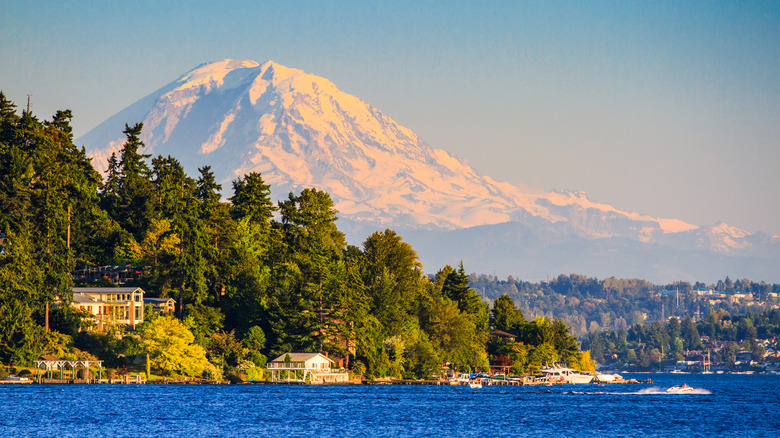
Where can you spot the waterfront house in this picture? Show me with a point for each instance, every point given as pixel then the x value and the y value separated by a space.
pixel 110 305
pixel 306 367
pixel 744 356
pixel 162 306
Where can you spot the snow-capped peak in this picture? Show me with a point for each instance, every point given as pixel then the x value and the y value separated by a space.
pixel 213 72
pixel 300 130
pixel 726 229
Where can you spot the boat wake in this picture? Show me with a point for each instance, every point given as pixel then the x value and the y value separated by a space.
pixel 653 390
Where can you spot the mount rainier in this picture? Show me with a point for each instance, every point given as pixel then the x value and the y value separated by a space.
pixel 299 130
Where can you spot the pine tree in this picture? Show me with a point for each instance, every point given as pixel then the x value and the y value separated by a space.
pixel 252 198
pixel 175 199
pixel 134 189
pixel 313 244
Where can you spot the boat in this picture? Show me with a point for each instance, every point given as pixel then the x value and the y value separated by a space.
pixel 475 385
pixel 560 374
pixel 15 379
pixel 680 389
pixel 462 379
pixel 606 378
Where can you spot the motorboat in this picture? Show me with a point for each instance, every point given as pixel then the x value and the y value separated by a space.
pixel 557 373
pixel 462 379
pixel 679 389
pixel 13 378
pixel 475 385
pixel 606 378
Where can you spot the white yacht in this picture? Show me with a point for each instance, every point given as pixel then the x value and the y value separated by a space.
pixel 557 373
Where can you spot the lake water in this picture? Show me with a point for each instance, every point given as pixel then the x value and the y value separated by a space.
pixel 721 405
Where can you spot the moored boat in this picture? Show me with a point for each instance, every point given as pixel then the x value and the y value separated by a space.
pixel 557 373
pixel 15 379
pixel 607 378
pixel 462 379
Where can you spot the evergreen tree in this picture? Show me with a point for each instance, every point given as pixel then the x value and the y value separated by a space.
pixel 313 244
pixel 134 188
pixel 456 287
pixel 690 334
pixel 219 234
pixel 44 182
pixel 252 198
pixel 175 198
pixel 504 315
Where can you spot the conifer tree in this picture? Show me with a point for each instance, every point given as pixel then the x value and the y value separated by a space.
pixel 219 234
pixel 252 198
pixel 313 244
pixel 175 199
pixel 134 187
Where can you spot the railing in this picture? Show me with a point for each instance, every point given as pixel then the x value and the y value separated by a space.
pixel 301 366
pixel 296 366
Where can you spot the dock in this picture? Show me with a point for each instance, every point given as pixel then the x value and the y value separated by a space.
pixel 525 382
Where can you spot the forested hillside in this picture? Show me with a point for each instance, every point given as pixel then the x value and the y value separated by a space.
pixel 719 336
pixel 252 279
pixel 589 304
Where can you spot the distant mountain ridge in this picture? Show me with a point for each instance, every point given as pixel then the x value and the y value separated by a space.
pixel 300 130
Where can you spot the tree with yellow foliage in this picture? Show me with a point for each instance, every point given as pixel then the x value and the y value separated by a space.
pixel 170 347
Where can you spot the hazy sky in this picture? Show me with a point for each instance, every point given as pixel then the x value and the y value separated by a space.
pixel 667 108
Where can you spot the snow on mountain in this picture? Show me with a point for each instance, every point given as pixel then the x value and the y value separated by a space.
pixel 299 130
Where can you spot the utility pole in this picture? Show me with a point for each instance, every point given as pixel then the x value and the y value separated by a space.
pixel 28 103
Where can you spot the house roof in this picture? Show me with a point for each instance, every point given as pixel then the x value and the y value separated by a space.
pixel 503 334
pixel 157 300
pixel 302 357
pixel 107 290
pixel 80 298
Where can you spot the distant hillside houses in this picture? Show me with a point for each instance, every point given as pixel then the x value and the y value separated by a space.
pixel 112 274
pixel 715 297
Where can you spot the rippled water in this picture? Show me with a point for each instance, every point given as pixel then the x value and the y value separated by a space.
pixel 722 405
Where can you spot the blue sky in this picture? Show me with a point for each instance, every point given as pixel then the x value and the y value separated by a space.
pixel 667 108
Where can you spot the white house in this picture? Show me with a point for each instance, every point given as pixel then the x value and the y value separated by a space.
pixel 316 367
